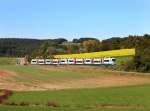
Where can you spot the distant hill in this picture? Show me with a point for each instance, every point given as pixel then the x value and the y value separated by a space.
pixel 14 47
pixel 21 47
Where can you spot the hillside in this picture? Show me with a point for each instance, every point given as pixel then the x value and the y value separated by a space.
pixel 71 88
pixel 14 47
pixel 32 77
pixel 102 54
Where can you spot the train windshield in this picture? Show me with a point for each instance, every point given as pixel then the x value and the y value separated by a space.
pixel 113 60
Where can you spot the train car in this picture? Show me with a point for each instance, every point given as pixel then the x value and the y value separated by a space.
pixel 34 61
pixel 88 61
pixel 48 61
pixel 109 61
pixel 98 61
pixel 55 61
pixel 79 61
pixel 113 61
pixel 71 61
pixel 74 61
pixel 41 61
pixel 63 61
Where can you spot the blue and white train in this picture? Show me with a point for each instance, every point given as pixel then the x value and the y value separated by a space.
pixel 74 61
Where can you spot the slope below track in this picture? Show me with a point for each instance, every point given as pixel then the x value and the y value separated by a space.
pixel 30 78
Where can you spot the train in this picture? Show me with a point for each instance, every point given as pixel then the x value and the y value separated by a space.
pixel 74 61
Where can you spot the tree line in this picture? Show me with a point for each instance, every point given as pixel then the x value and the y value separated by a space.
pixel 13 47
pixel 141 61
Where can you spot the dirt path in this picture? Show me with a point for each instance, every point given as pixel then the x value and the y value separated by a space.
pixel 4 74
pixel 104 81
pixel 7 81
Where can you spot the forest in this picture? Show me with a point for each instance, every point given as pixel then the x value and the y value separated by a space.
pixel 14 47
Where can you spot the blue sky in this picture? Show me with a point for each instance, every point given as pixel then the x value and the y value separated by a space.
pixel 70 19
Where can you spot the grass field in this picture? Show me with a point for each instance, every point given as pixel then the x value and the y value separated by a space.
pixel 73 88
pixel 63 77
pixel 102 54
pixel 7 61
pixel 129 98
pixel 120 60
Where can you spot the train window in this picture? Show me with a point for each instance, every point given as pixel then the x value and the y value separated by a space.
pixel 113 60
pixel 79 61
pixel 106 60
pixel 88 61
pixel 96 61
pixel 71 61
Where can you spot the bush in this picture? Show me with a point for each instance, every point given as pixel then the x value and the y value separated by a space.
pixel 24 104
pixel 11 103
pixel 52 104
pixel 129 66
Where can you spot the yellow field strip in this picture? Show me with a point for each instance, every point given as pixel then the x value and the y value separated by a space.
pixel 102 54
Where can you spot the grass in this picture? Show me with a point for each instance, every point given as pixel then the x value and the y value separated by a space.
pixel 135 98
pixel 120 60
pixel 7 61
pixel 125 98
pixel 28 108
pixel 102 54
pixel 42 73
pixel 115 95
pixel 31 73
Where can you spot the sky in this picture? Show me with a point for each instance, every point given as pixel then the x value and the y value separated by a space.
pixel 49 19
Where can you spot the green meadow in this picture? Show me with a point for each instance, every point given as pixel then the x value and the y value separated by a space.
pixel 112 98
pixel 131 98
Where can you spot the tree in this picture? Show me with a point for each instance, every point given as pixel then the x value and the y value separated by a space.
pixel 91 45
pixel 44 47
pixel 142 57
